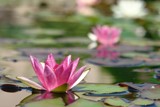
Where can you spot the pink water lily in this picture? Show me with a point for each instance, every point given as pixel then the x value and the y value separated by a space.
pixel 105 35
pixel 55 77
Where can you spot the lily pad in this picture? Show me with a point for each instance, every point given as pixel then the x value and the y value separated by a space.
pixel 151 93
pixel 101 89
pixel 46 103
pixel 135 54
pixel 30 98
pixel 137 87
pixel 116 102
pixel 85 103
pixel 115 63
pixel 123 62
pixel 93 98
pixel 142 102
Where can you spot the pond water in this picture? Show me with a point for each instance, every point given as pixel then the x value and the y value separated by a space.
pixel 120 73
pixel 126 65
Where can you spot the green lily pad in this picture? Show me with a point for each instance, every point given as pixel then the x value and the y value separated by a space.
pixel 101 89
pixel 85 103
pixel 124 62
pixel 151 93
pixel 46 103
pixel 93 98
pixel 116 102
pixel 142 102
pixel 28 99
pixel 117 63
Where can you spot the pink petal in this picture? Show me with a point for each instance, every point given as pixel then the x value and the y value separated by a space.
pixel 66 61
pixel 38 70
pixel 50 78
pixel 30 83
pixel 50 61
pixel 78 77
pixel 65 74
pixel 58 71
pixel 74 66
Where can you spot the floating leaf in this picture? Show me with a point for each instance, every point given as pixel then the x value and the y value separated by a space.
pixel 124 62
pixel 93 98
pixel 135 54
pixel 142 102
pixel 46 103
pixel 115 63
pixel 116 102
pixel 137 87
pixel 85 103
pixel 151 93
pixel 28 99
pixel 101 89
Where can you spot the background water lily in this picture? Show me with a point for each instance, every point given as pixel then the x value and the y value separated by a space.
pixel 55 77
pixel 105 35
pixel 84 7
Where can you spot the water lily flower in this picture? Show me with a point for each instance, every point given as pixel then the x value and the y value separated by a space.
pixel 129 9
pixel 86 2
pixel 105 35
pixel 84 7
pixel 55 77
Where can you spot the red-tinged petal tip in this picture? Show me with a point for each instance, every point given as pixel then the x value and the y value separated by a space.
pixel 50 61
pixel 66 62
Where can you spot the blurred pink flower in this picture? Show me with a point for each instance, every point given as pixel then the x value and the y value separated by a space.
pixel 105 35
pixel 86 2
pixel 55 77
pixel 84 7
pixel 86 10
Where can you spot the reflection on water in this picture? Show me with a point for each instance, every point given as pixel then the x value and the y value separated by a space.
pixel 20 97
pixel 67 98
